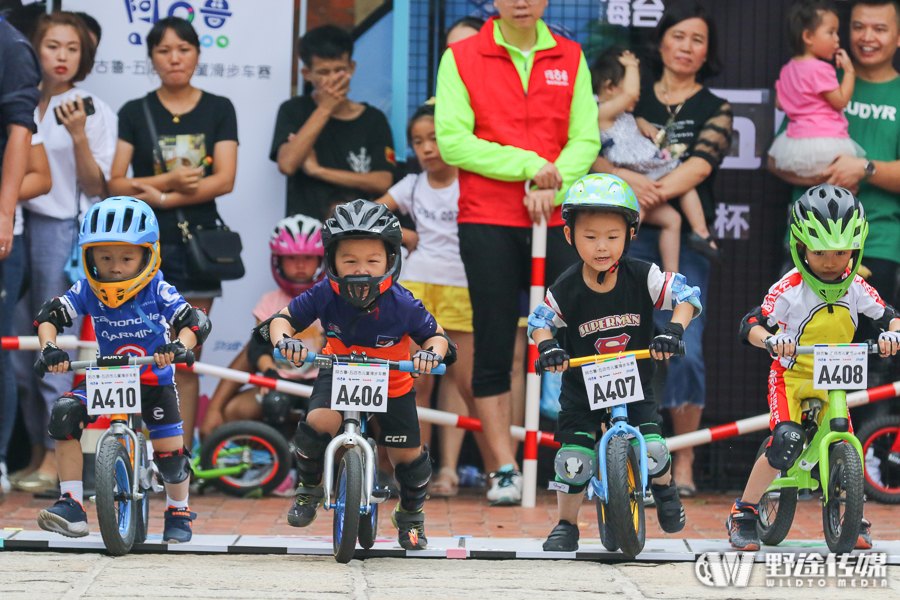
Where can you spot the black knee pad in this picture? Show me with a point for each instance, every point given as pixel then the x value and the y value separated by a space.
pixel 413 477
pixel 310 447
pixel 67 417
pixel 786 445
pixel 276 408
pixel 174 467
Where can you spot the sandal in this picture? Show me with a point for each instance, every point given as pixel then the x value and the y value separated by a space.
pixel 446 485
pixel 704 245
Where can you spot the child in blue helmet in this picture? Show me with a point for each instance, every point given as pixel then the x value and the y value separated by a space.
pixel 607 304
pixel 132 307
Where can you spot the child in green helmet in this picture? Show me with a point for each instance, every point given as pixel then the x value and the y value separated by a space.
pixel 607 303
pixel 818 302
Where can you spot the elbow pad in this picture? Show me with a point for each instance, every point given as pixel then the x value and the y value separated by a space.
pixel 451 355
pixel 542 318
pixel 195 320
pixel 682 292
pixel 751 320
pixel 53 311
pixel 884 322
pixel 262 330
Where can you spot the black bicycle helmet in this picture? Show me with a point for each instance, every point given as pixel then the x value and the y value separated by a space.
pixel 362 219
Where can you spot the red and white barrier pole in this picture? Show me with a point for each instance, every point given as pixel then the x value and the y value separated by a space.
pixel 31 342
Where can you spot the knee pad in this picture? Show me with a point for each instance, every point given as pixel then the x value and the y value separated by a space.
pixel 310 446
pixel 786 445
pixel 658 458
pixel 174 467
pixel 413 477
pixel 66 418
pixel 276 407
pixel 575 462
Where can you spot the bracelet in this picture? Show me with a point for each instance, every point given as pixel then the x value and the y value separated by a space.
pixel 162 199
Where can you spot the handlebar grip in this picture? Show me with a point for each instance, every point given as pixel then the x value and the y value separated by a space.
pixel 407 367
pixel 682 349
pixel 40 368
pixel 187 358
pixel 310 356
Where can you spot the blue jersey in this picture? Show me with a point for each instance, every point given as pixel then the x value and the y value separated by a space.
pixel 137 327
pixel 383 332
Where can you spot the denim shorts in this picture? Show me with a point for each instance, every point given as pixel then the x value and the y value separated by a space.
pixel 174 269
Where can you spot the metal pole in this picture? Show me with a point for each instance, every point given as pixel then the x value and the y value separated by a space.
pixel 533 380
pixel 400 76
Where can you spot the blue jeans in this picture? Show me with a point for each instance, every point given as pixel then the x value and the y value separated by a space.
pixel 12 269
pixel 686 379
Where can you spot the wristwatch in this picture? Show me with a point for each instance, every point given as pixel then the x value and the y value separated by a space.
pixel 869 170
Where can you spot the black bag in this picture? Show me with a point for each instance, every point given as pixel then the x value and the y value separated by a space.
pixel 214 253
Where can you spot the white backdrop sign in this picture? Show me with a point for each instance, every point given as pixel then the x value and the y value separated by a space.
pixel 245 56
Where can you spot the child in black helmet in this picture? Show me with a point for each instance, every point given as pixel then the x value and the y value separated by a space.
pixel 363 309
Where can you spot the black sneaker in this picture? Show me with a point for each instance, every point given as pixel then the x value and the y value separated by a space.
pixel 66 517
pixel 306 506
pixel 741 525
pixel 669 509
pixel 177 528
pixel 563 538
pixel 410 528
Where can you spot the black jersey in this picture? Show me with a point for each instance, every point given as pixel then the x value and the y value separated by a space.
pixel 615 321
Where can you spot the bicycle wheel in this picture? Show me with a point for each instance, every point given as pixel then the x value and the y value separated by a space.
pixel 116 514
pixel 776 510
pixel 142 507
pixel 260 447
pixel 626 498
pixel 368 524
pixel 842 514
pixel 607 535
pixel 347 502
pixel 882 481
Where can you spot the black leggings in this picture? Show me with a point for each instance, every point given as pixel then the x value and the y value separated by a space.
pixel 498 267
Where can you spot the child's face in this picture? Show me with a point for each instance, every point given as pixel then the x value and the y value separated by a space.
pixel 118 263
pixel 824 41
pixel 361 257
pixel 324 70
pixel 599 238
pixel 828 265
pixel 425 145
pixel 300 268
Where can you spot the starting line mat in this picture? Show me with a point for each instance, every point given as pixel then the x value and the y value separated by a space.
pixel 655 550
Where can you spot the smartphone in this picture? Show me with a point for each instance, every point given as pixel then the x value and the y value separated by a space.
pixel 88 109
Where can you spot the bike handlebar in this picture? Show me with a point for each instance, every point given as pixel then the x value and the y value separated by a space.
pixel 873 348
pixel 638 355
pixel 115 360
pixel 326 361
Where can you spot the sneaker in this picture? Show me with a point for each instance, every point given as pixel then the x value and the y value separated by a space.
pixel 741 525
pixel 5 485
pixel 506 488
pixel 306 506
pixel 669 509
pixel 66 517
pixel 286 489
pixel 563 538
pixel 864 541
pixel 37 483
pixel 177 529
pixel 410 528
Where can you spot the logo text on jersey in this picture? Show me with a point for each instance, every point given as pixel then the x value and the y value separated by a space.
pixel 605 323
pixel 557 77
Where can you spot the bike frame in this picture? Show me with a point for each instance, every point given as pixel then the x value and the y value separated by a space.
pixel 120 427
pixel 620 426
pixel 353 436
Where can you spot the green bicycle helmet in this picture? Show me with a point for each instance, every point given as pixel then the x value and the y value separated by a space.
pixel 828 217
pixel 605 193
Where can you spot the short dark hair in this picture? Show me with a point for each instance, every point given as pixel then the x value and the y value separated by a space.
pixel 182 28
pixel 69 19
pixel 426 110
pixel 805 15
pixel 475 23
pixel 895 3
pixel 675 14
pixel 607 68
pixel 92 24
pixel 328 42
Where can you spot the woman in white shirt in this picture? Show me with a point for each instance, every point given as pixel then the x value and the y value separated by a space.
pixel 80 149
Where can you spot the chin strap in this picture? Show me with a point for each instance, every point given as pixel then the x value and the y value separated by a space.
pixel 602 275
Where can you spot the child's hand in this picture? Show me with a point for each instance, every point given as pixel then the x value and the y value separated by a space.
pixel 842 61
pixel 57 360
pixel 667 343
pixel 629 60
pixel 292 349
pixel 647 130
pixel 781 345
pixel 425 361
pixel 165 353
pixel 551 357
pixel 889 343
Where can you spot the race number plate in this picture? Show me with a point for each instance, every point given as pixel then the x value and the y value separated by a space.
pixel 613 382
pixel 362 387
pixel 840 367
pixel 113 390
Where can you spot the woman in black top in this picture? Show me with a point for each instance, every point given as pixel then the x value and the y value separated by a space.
pixel 690 114
pixel 192 125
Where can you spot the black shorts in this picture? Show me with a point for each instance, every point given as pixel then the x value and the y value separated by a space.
pixel 159 409
pixel 575 414
pixel 399 425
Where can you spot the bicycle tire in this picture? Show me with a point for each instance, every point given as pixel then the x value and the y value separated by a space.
pixel 626 498
pixel 845 488
pixel 607 535
pixel 266 443
pixel 347 503
pixel 882 482
pixel 142 524
pixel 782 504
pixel 368 524
pixel 117 519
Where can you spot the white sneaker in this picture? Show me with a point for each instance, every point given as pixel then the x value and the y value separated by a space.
pixel 506 488
pixel 5 485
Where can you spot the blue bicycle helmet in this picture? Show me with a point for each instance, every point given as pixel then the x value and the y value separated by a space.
pixel 117 221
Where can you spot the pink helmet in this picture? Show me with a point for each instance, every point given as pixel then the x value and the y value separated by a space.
pixel 295 235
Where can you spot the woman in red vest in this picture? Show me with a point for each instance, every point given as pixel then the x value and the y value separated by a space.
pixel 514 104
